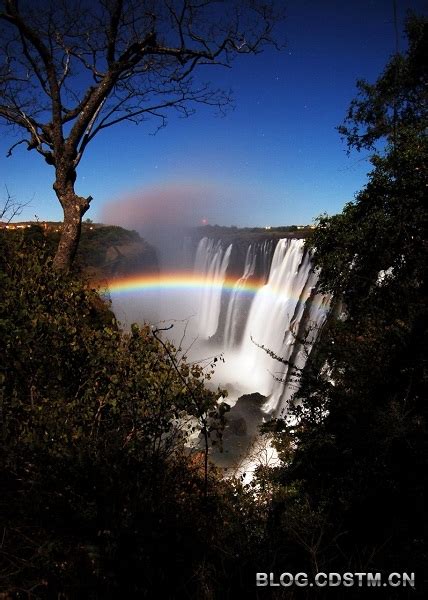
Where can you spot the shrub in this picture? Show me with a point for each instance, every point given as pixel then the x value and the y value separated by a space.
pixel 99 485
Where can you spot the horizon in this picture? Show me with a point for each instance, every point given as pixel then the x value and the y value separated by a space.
pixel 270 228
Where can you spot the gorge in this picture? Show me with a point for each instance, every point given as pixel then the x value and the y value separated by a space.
pixel 245 299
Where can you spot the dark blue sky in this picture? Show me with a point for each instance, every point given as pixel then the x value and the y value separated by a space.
pixel 275 159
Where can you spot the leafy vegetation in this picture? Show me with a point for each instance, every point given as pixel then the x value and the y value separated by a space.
pixel 104 251
pixel 98 481
pixel 102 494
pixel 355 454
pixel 109 250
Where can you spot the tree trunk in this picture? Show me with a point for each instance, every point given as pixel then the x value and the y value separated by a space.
pixel 74 208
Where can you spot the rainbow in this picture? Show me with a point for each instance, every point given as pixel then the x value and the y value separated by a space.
pixel 188 281
pixel 177 281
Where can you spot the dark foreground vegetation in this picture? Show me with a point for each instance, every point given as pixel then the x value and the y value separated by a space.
pixel 101 496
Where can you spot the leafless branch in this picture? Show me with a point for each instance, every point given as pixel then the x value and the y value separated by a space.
pixel 154 50
pixel 69 70
pixel 11 149
pixel 11 208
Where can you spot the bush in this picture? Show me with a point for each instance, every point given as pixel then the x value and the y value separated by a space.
pixel 100 489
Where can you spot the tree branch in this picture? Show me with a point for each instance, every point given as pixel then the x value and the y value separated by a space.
pixel 11 149
pixel 113 31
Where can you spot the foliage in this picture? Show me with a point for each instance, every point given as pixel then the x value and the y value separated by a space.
pixel 95 242
pixel 99 485
pixel 104 251
pixel 395 104
pixel 354 446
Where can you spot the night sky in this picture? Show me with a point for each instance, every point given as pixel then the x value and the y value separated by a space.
pixel 275 159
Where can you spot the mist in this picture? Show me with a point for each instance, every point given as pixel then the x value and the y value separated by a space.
pixel 162 214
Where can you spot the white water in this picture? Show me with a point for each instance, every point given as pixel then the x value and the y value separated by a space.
pixel 286 307
pixel 239 300
pixel 236 323
pixel 211 261
pixel 284 316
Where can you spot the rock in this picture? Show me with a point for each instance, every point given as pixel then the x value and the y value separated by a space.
pixel 237 426
pixel 242 423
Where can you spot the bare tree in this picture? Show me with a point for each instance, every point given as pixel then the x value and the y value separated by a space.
pixel 11 208
pixel 71 68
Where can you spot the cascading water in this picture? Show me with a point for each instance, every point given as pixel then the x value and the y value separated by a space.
pixel 234 310
pixel 241 298
pixel 257 257
pixel 267 301
pixel 212 261
pixel 282 312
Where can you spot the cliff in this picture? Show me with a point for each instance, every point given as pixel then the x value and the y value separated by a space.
pixel 105 251
pixel 108 251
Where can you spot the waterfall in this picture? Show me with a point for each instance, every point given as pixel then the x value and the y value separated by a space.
pixel 283 311
pixel 211 261
pixel 234 309
pixel 256 266
pixel 249 294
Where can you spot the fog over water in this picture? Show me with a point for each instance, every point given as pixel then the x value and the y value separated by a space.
pixel 224 298
pixel 271 302
pixel 161 214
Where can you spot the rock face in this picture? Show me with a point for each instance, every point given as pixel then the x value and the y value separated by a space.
pixel 106 252
pixel 242 423
pixel 126 259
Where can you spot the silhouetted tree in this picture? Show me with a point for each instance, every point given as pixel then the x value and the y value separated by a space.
pixel 356 479
pixel 69 70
